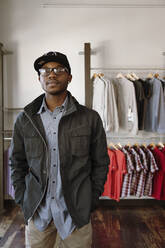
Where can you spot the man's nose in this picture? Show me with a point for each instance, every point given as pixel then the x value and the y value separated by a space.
pixel 52 74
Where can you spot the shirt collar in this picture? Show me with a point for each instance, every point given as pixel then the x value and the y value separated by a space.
pixel 45 108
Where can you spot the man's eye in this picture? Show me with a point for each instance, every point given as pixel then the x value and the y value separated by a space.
pixel 48 70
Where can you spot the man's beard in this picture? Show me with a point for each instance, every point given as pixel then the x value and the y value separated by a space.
pixel 58 92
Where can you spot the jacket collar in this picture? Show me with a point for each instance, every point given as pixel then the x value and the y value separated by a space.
pixel 32 108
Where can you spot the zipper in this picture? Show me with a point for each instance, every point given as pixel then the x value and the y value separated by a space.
pixel 47 161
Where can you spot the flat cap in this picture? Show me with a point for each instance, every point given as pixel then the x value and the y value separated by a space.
pixel 52 57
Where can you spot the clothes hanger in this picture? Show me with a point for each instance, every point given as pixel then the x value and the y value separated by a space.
pixel 150 76
pixel 95 75
pixel 128 145
pixel 136 145
pixel 134 76
pixel 144 145
pixel 156 75
pixel 120 75
pixel 152 145
pixel 160 144
pixel 119 146
pixel 112 145
pixel 128 76
pixel 100 75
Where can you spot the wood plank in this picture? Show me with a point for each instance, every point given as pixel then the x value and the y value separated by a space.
pixel 13 234
pixel 113 227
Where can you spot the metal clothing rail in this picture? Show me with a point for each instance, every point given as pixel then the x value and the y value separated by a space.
pixel 7 139
pixel 102 5
pixel 129 68
pixel 13 109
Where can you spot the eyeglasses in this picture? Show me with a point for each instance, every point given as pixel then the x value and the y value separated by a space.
pixel 57 71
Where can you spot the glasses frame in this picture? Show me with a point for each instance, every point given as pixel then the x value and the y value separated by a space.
pixel 57 71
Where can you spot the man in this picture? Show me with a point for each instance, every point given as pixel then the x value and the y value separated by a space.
pixel 59 161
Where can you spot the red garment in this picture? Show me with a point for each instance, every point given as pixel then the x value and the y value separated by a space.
pixel 122 169
pixel 163 186
pixel 159 178
pixel 110 183
pixel 117 168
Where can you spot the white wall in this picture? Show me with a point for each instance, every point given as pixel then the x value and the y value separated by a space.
pixel 121 37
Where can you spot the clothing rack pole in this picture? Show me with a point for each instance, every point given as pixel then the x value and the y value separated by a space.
pixel 129 68
pixel 88 85
pixel 1 132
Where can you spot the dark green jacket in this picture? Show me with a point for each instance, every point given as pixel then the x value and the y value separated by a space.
pixel 83 159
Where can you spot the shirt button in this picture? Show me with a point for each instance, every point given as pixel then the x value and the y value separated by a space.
pixel 53 181
pixel 54 132
pixel 54 117
pixel 52 197
pixel 54 165
pixel 54 149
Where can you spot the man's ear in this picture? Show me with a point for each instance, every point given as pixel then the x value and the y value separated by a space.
pixel 69 78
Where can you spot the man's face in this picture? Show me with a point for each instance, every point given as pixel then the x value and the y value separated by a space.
pixel 54 84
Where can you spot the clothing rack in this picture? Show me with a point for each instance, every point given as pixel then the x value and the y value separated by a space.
pixel 87 65
pixel 89 92
pixel 89 87
pixel 1 129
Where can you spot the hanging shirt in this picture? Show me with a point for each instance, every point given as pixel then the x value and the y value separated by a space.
pixel 117 169
pixel 110 111
pixel 126 187
pixel 140 99
pixel 98 102
pixel 159 178
pixel 163 186
pixel 147 89
pixel 155 114
pixel 104 102
pixel 152 168
pixel 121 171
pixel 137 168
pixel 126 105
pixel 109 186
pixel 142 175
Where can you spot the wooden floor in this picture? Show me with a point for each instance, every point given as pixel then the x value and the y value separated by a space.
pixel 113 227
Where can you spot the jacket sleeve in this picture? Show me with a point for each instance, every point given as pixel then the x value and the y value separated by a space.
pixel 18 162
pixel 100 161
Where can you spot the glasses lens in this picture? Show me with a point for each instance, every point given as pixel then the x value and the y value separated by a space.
pixel 47 71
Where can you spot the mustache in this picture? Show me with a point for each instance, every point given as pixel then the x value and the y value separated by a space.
pixel 53 81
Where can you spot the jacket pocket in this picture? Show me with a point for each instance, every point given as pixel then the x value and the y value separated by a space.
pixel 33 147
pixel 80 141
pixel 32 192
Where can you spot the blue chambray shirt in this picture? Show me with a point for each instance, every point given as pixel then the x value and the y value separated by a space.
pixel 53 205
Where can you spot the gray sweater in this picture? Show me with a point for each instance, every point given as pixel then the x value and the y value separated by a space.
pixel 155 114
